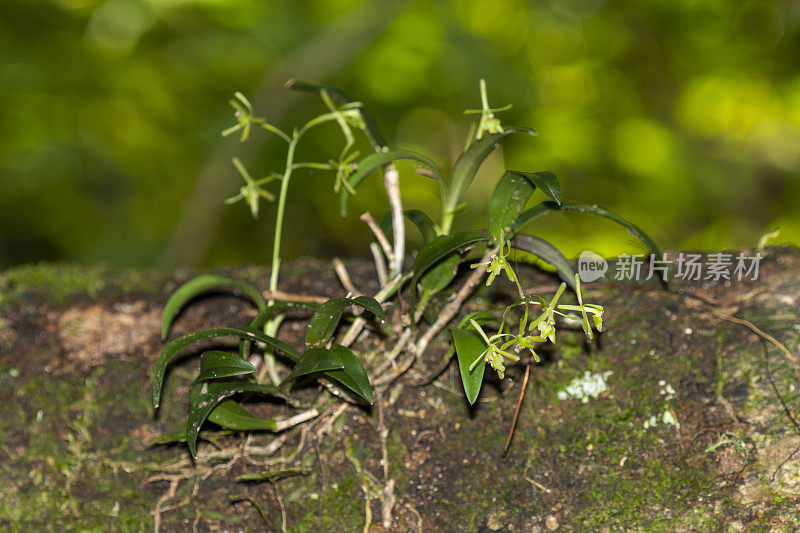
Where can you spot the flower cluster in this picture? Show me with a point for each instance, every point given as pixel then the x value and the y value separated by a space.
pixel 497 262
pixel 487 123
pixel 540 330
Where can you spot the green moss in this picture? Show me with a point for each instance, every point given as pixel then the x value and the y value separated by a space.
pixel 61 283
pixel 341 508
pixel 66 459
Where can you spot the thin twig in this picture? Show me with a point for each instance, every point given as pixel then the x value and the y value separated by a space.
pixel 391 181
pixel 419 518
pixel 168 495
pixel 379 235
pixel 755 329
pixel 519 404
pixel 327 427
pixel 305 416
pixel 358 324
pixel 450 310
pixel 537 485
pixel 388 498
pixel 763 335
pixel 445 316
pixel 398 348
pixel 244 497
pixel 292 297
pixel 344 277
pixel 380 264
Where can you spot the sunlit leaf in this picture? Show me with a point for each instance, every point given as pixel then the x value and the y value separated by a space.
pixel 217 364
pixel 438 249
pixel 316 360
pixel 546 207
pixel 372 162
pixel 201 285
pixel 187 340
pixel 469 346
pixel 203 397
pixel 352 375
pixel 512 192
pixel 466 167
pixel 323 322
pixel 547 253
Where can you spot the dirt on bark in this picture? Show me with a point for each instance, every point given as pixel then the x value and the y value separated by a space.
pixel 694 425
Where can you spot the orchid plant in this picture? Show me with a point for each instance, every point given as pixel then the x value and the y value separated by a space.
pixel 327 356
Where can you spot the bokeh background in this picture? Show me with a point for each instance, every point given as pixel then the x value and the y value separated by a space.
pixel 682 115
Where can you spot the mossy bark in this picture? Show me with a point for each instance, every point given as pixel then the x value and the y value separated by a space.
pixel 696 431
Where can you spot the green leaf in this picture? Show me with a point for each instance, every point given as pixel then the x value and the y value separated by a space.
pixel 231 415
pixel 466 167
pixel 265 314
pixel 200 285
pixel 512 192
pixel 439 276
pixel 546 252
pixel 372 132
pixel 375 161
pixel 272 477
pixel 216 364
pixel 438 249
pixel 203 397
pixel 352 375
pixel 323 322
pixel 469 346
pixel 316 360
pixel 187 340
pixel 546 207
pixel 424 223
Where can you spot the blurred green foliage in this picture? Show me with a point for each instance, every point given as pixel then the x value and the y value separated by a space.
pixel 682 115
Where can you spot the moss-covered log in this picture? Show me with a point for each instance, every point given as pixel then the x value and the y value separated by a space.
pixel 696 428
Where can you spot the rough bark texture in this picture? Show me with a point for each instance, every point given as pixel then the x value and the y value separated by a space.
pixel 77 346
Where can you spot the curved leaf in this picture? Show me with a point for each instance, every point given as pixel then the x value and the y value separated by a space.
pixel 469 346
pixel 424 223
pixel 231 415
pixel 467 165
pixel 372 132
pixel 352 375
pixel 437 250
pixel 265 314
pixel 377 160
pixel 216 364
pixel 187 340
pixel 512 192
pixel 323 322
pixel 200 285
pixel 546 252
pixel 439 276
pixel 316 360
pixel 203 397
pixel 546 207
